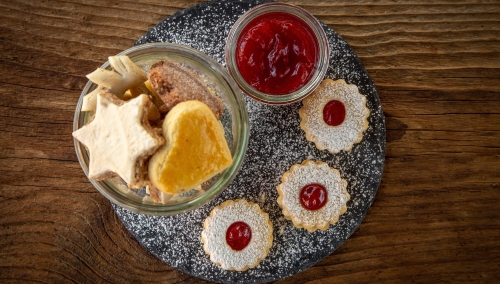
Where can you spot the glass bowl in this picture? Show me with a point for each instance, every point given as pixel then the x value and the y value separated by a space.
pixel 234 121
pixel 322 52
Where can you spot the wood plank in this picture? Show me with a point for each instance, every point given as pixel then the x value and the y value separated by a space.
pixel 436 65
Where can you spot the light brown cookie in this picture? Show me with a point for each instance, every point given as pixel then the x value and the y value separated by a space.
pixel 175 84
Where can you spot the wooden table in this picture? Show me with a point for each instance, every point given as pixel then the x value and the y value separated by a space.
pixel 436 217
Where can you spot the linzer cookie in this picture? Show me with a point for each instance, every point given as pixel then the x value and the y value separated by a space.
pixel 175 84
pixel 237 235
pixel 120 139
pixel 313 195
pixel 334 116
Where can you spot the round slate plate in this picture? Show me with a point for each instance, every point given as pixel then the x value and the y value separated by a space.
pixel 276 143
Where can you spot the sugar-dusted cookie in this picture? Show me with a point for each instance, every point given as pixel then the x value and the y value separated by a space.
pixel 312 195
pixel 237 235
pixel 120 139
pixel 334 116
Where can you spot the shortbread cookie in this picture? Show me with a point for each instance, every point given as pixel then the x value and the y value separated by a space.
pixel 334 116
pixel 124 74
pixel 120 139
pixel 175 84
pixel 195 151
pixel 237 235
pixel 312 195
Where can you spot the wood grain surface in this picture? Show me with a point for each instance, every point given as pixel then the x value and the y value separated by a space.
pixel 436 217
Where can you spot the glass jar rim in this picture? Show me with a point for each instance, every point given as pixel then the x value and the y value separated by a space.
pixel 323 52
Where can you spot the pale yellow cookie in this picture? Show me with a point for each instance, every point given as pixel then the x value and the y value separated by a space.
pixel 228 249
pixel 307 174
pixel 339 137
pixel 124 74
pixel 120 139
pixel 195 151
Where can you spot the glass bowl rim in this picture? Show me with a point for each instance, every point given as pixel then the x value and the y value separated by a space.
pixel 241 116
pixel 323 52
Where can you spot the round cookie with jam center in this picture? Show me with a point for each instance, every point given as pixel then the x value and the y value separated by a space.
pixel 313 195
pixel 237 235
pixel 334 116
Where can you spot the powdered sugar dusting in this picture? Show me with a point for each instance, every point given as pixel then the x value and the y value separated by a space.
pixel 276 143
pixel 214 234
pixel 343 136
pixel 309 173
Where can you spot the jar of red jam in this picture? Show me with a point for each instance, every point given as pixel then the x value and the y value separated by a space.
pixel 277 53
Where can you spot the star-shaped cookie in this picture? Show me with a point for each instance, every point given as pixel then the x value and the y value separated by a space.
pixel 120 139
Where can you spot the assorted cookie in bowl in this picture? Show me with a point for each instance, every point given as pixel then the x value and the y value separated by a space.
pixel 160 129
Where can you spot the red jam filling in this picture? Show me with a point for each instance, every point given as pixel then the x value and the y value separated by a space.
pixel 238 235
pixel 313 196
pixel 334 113
pixel 276 53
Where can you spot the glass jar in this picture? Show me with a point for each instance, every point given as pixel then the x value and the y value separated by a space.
pixel 322 52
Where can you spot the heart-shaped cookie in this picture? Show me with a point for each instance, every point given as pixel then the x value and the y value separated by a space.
pixel 195 150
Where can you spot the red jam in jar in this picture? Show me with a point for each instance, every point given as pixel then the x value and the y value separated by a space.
pixel 334 113
pixel 313 196
pixel 238 235
pixel 277 53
